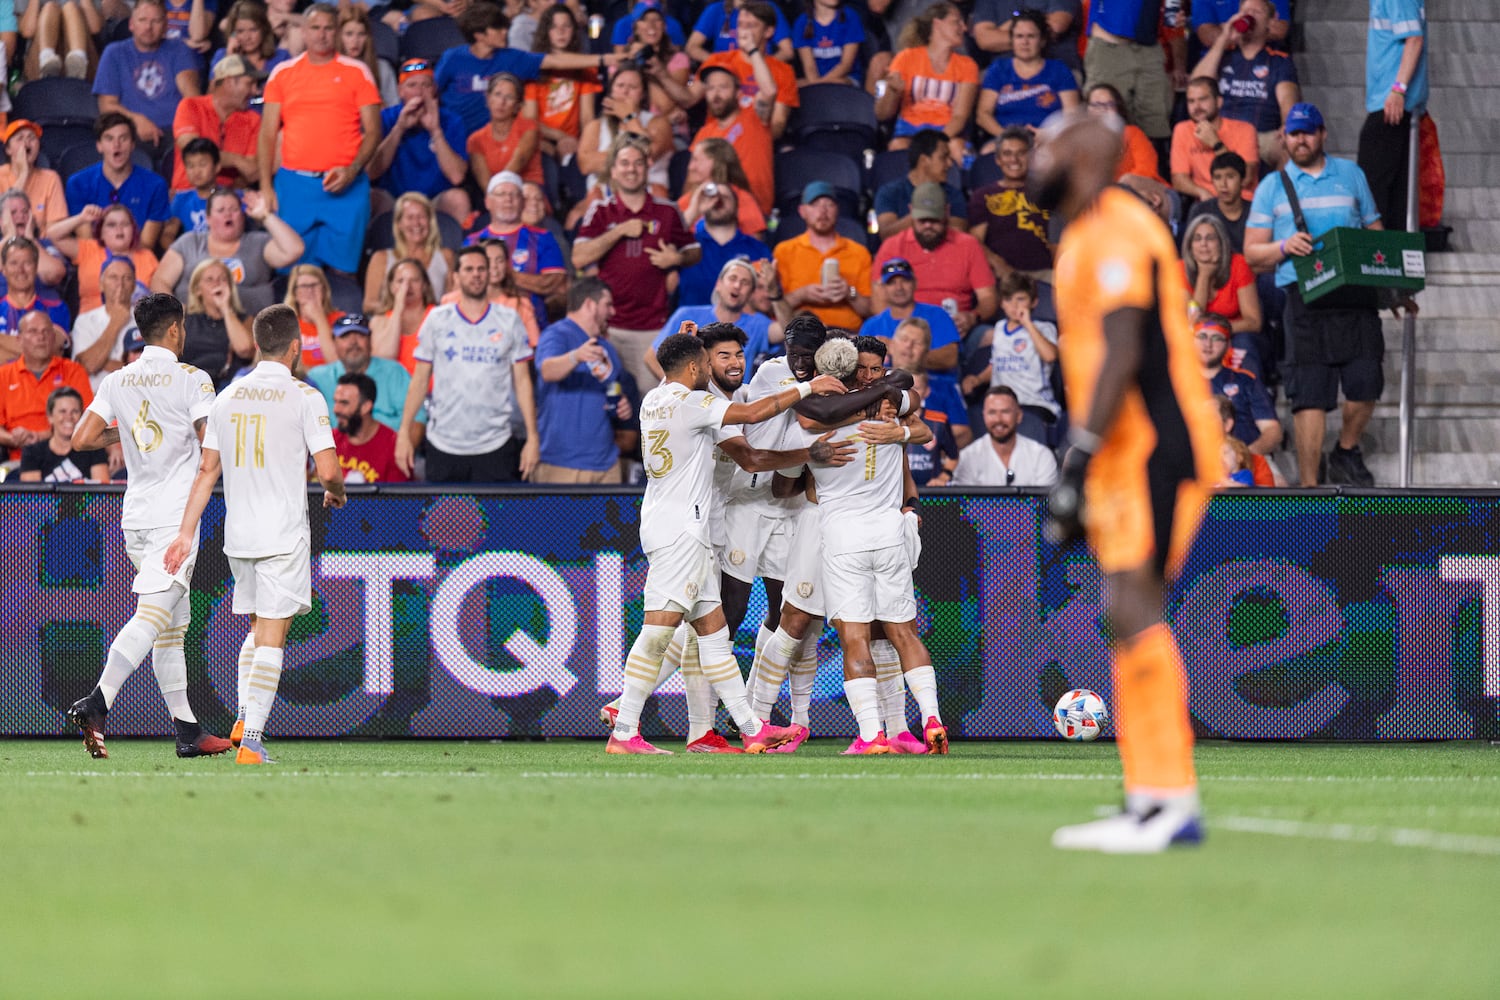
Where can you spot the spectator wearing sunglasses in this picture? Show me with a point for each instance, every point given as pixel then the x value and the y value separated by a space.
pixel 422 145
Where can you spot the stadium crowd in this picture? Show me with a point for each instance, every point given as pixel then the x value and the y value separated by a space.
pixel 488 216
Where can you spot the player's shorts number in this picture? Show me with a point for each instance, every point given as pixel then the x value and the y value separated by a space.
pixel 249 428
pixel 146 432
pixel 656 448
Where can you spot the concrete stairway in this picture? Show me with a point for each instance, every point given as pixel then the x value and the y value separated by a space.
pixel 1456 430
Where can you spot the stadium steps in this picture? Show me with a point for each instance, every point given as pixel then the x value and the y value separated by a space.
pixel 1456 419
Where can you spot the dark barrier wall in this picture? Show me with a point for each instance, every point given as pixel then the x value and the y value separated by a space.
pixel 439 615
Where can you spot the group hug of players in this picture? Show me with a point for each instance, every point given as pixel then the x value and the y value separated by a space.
pixel 798 477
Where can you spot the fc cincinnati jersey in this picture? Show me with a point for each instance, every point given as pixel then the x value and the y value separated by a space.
pixel 679 429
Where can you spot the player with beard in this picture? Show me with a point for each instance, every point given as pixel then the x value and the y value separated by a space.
pixel 680 425
pixel 742 477
pixel 1144 456
pixel 787 646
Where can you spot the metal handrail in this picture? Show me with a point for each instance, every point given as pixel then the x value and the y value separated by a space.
pixel 1409 320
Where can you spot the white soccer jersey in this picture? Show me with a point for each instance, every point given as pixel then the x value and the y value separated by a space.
pixel 156 400
pixel 679 429
pixel 473 387
pixel 263 427
pixel 780 433
pixel 861 501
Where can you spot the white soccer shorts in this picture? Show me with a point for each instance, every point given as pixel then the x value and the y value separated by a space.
pixel 804 564
pixel 147 549
pixel 278 586
pixel 755 545
pixel 682 576
pixel 870 586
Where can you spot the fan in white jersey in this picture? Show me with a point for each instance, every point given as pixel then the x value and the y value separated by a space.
pixel 869 549
pixel 737 466
pixel 259 435
pixel 165 405
pixel 680 424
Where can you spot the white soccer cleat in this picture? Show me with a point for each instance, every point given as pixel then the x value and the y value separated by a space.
pixel 1150 832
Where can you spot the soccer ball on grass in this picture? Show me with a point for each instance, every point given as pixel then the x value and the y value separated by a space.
pixel 1080 715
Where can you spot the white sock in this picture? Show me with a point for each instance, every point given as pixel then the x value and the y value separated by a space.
pixel 865 705
pixel 762 636
pixel 642 667
pixel 770 669
pixel 170 664
pixel 153 615
pixel 923 684
pixel 890 685
pixel 804 674
pixel 247 657
pixel 716 659
pixel 265 676
pixel 701 700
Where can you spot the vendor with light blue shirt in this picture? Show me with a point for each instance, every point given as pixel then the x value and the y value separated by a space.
pixel 1328 349
pixel 351 339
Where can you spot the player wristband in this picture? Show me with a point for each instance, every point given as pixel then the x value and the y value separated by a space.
pixel 905 434
pixel 910 501
pixel 1084 441
pixel 1283 248
pixel 804 389
pixel 1398 87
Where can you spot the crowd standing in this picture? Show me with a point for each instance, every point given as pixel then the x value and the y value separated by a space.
pixel 486 237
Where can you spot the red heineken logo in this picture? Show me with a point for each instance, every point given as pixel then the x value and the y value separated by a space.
pixel 1379 257
pixel 1317 267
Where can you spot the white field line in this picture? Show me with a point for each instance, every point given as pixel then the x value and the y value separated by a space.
pixel 290 771
pixel 1432 840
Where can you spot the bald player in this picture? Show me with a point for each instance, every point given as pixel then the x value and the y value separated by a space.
pixel 1143 457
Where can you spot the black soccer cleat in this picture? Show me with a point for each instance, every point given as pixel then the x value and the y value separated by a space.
pixel 87 714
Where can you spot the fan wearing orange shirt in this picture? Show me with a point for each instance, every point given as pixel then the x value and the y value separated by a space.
pixel 767 87
pixel 1144 456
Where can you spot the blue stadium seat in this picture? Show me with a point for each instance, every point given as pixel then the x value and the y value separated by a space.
pixel 984 171
pixel 81 157
pixel 835 118
pixel 677 172
pixel 849 228
pixel 380 236
pixel 796 168
pixel 348 296
pixel 889 165
pixel 387 44
pixel 58 139
pixel 430 38
pixel 56 101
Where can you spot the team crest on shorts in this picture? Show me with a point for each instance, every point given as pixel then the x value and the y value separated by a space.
pixel 692 591
pixel 737 557
pixel 804 589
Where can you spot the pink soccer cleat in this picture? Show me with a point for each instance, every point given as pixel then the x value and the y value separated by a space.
pixel 636 744
pixel 712 742
pixel 905 742
pixel 864 748
pixel 794 744
pixel 935 734
pixel 769 737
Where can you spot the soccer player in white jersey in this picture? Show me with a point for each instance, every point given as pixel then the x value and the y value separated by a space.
pixel 680 422
pixel 869 549
pixel 165 404
pixel 259 435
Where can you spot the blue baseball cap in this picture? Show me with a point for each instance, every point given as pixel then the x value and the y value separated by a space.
pixel 1303 117
pixel 818 189
pixel 351 323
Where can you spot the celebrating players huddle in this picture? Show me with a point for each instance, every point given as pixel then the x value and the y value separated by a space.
pixel 801 478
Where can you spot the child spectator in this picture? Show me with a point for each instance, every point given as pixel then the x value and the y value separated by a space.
pixel 200 168
pixel 1022 353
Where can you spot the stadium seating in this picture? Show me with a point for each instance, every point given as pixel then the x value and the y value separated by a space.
pixel 380 236
pixel 430 38
pixel 796 168
pixel 56 101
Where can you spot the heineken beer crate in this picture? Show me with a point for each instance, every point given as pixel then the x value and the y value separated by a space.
pixel 1345 260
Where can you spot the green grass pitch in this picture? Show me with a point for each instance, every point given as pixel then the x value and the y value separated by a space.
pixel 398 869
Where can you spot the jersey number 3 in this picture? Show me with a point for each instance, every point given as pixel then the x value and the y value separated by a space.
pixel 656 448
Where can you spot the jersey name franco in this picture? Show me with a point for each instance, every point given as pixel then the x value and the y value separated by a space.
pixel 861 501
pixel 679 429
pixel 156 400
pixel 264 427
